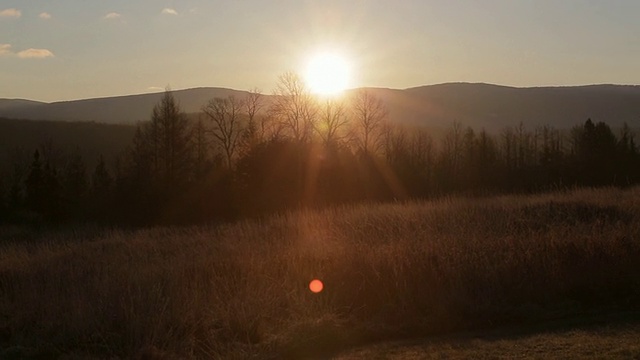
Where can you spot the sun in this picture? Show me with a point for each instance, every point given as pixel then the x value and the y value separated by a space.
pixel 327 73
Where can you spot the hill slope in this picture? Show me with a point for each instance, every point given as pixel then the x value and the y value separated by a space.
pixel 114 110
pixel 12 104
pixel 491 106
pixel 478 105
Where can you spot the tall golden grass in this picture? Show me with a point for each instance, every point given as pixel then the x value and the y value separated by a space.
pixel 389 270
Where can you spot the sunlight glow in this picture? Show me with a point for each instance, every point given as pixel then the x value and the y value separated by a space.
pixel 327 73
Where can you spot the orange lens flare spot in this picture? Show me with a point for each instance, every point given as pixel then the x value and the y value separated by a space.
pixel 316 286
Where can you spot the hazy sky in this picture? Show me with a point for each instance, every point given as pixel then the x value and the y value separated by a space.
pixel 69 49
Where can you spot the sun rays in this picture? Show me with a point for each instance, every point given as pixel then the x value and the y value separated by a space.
pixel 328 73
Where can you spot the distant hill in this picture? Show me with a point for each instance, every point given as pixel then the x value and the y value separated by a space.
pixel 111 110
pixel 494 107
pixel 478 105
pixel 9 104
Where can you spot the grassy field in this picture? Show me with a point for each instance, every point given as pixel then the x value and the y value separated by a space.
pixel 390 271
pixel 601 337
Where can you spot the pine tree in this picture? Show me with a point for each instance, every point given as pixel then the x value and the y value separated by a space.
pixel 101 180
pixel 35 185
pixel 74 185
pixel 160 165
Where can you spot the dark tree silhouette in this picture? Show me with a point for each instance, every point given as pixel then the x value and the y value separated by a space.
pixel 369 114
pixel 159 165
pixel 201 149
pixel 294 107
pixel 254 131
pixel 35 185
pixel 224 115
pixel 332 121
pixel 74 186
pixel 43 190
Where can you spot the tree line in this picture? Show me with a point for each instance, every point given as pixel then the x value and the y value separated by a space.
pixel 247 157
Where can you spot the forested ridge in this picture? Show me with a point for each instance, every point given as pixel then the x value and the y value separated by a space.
pixel 242 157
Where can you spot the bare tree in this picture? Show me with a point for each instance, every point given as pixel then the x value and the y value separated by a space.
pixel 508 147
pixel 19 159
pixel 525 148
pixel 332 118
pixel 369 113
pixel 200 147
pixel 394 142
pixel 421 149
pixel 253 103
pixel 294 107
pixel 253 132
pixel 225 117
pixel 452 153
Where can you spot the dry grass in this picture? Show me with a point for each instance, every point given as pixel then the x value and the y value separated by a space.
pixel 390 271
pixel 604 342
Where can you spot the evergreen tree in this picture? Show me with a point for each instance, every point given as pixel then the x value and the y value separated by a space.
pixel 35 185
pixel 101 180
pixel 52 193
pixel 169 133
pixel 160 165
pixel 101 191
pixel 596 154
pixel 74 185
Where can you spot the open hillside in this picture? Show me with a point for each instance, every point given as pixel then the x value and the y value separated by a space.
pixel 477 105
pixel 389 271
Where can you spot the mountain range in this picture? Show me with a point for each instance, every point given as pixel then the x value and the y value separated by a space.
pixel 477 105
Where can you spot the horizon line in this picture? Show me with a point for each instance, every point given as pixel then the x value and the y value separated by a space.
pixel 350 89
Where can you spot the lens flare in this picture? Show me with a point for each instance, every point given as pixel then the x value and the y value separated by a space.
pixel 316 286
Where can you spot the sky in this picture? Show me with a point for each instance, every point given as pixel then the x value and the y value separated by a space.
pixel 53 50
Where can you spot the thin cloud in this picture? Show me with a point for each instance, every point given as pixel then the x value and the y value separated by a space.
pixel 35 54
pixel 5 50
pixel 112 16
pixel 169 11
pixel 45 16
pixel 11 13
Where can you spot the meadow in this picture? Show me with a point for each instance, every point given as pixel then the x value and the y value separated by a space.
pixel 390 271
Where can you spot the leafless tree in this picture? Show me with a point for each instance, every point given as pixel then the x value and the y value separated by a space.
pixel 452 153
pixel 517 146
pixel 253 103
pixel 226 127
pixel 394 141
pixel 257 125
pixel 369 113
pixel 294 107
pixel 412 143
pixel 331 120
pixel 200 146
pixel 421 148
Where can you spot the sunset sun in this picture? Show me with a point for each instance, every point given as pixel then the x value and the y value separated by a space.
pixel 327 73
